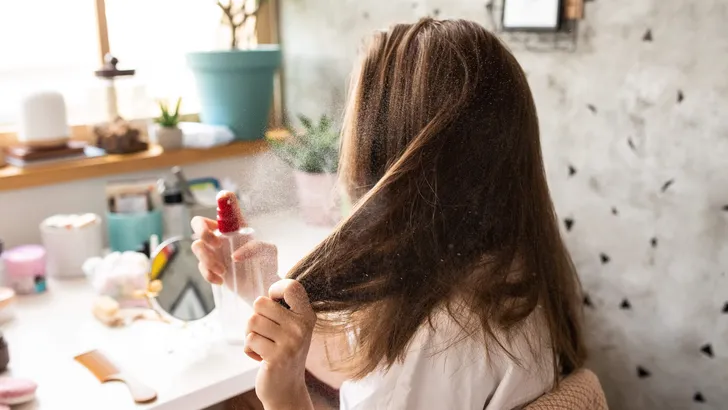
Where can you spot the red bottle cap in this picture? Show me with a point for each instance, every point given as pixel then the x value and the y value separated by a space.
pixel 229 217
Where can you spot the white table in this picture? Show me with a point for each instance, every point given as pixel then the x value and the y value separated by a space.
pixel 188 367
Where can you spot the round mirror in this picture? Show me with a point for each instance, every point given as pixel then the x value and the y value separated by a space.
pixel 184 293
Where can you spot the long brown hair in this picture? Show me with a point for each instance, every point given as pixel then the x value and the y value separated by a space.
pixel 441 153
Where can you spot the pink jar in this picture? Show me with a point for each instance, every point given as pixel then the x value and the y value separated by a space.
pixel 25 269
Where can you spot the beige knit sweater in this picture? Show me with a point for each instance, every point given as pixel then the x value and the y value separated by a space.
pixel 579 391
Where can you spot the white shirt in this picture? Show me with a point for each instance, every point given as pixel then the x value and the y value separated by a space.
pixel 462 376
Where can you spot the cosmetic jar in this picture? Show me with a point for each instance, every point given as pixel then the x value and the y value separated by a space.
pixel 70 240
pixel 25 269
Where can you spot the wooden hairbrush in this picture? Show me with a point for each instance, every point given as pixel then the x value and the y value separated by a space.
pixel 106 371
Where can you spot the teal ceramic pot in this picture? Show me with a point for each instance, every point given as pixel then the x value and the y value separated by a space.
pixel 236 88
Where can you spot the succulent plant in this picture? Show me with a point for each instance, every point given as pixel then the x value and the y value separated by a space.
pixel 314 150
pixel 168 119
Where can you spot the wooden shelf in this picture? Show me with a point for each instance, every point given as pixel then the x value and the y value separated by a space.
pixel 12 178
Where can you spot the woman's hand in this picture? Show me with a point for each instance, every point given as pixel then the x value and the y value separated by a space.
pixel 212 265
pixel 280 339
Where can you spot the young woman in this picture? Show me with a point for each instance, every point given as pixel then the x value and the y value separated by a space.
pixel 448 283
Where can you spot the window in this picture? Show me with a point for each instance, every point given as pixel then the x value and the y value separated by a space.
pixel 57 45
pixel 153 37
pixel 47 44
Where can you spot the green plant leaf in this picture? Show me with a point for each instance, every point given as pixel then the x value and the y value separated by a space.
pixel 316 150
pixel 166 118
pixel 176 108
pixel 324 123
pixel 306 122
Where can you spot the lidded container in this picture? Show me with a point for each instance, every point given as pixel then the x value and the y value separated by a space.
pixel 69 241
pixel 118 135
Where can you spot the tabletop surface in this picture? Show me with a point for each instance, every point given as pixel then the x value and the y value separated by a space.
pixel 188 365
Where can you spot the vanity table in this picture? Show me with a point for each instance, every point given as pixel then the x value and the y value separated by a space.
pixel 188 367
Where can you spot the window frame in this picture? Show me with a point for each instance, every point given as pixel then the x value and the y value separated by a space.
pixel 266 31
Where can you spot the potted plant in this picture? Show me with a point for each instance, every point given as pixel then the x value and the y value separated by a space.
pixel 235 86
pixel 166 133
pixel 314 156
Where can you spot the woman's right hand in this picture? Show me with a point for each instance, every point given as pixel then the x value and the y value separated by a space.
pixel 212 265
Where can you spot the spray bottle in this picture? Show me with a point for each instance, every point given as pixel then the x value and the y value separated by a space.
pixel 242 281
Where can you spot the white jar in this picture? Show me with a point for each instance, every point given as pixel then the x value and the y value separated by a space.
pixel 43 119
pixel 69 241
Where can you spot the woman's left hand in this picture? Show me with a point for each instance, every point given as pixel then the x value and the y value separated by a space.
pixel 279 338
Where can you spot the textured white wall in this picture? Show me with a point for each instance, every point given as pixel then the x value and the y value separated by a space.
pixel 643 125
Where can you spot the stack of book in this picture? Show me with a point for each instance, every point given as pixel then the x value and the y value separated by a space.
pixel 22 156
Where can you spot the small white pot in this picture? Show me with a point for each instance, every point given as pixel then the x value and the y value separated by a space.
pixel 317 198
pixel 169 138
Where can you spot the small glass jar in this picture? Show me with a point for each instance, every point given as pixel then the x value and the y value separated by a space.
pixel 117 135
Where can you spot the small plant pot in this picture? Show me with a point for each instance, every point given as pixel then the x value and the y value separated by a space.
pixel 317 198
pixel 169 138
